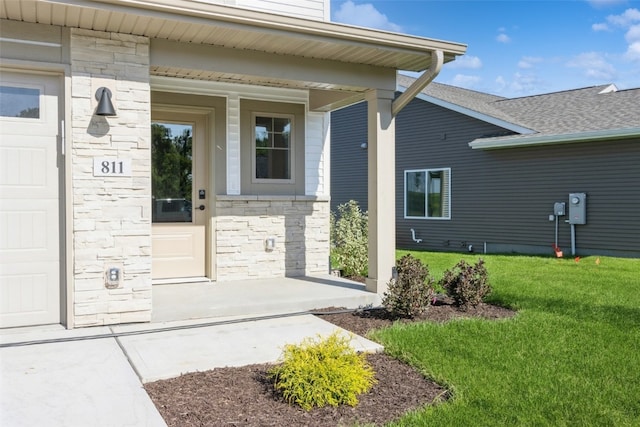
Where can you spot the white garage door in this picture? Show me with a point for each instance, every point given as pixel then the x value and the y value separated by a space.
pixel 30 164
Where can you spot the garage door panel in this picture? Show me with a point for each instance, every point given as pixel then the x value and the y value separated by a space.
pixel 26 297
pixel 28 171
pixel 30 179
pixel 18 173
pixel 24 232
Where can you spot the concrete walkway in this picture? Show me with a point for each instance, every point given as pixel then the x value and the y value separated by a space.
pixel 93 376
pixel 74 383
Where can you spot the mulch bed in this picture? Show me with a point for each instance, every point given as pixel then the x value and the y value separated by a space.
pixel 244 396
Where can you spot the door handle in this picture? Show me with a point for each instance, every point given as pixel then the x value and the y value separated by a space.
pixel 201 207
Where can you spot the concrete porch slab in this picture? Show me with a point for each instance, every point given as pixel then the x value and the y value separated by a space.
pixel 185 301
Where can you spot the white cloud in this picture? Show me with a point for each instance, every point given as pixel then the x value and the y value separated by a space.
pixel 465 61
pixel 466 81
pixel 594 66
pixel 633 52
pixel 629 21
pixel 627 18
pixel 633 35
pixel 364 15
pixel 528 62
pixel 503 38
pixel 605 3
pixel 520 85
pixel 600 27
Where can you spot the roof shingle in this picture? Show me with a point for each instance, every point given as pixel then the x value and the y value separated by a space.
pixel 596 108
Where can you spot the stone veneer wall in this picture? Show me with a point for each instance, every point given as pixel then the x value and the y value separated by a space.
pixel 299 224
pixel 111 215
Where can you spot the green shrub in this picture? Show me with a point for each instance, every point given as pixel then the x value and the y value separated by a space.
pixel 349 240
pixel 323 372
pixel 466 283
pixel 411 293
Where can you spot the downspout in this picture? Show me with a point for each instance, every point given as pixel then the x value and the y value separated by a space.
pixel 437 59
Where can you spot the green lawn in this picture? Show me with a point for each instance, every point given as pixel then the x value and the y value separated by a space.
pixel 571 357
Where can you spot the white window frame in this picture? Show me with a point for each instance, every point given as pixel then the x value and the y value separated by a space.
pixel 292 157
pixel 447 198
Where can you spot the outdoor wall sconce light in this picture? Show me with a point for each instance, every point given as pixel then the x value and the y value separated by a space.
pixel 105 107
pixel 364 145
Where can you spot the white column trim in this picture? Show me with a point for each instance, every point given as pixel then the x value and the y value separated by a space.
pixel 233 145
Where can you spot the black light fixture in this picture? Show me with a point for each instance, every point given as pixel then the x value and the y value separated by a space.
pixel 105 107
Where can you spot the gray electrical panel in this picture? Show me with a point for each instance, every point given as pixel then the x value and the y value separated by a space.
pixel 559 208
pixel 577 208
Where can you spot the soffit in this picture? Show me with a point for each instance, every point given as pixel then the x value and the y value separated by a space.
pixel 195 22
pixel 187 73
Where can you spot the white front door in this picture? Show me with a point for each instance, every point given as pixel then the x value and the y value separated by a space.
pixel 30 164
pixel 179 202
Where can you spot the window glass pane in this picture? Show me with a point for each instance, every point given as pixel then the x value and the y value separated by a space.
pixel 19 102
pixel 281 140
pixel 415 197
pixel 171 172
pixel 265 123
pixel 281 125
pixel 272 164
pixel 280 164
pixel 435 205
pixel 273 148
pixel 262 138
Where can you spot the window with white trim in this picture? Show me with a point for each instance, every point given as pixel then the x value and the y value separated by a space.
pixel 427 193
pixel 273 147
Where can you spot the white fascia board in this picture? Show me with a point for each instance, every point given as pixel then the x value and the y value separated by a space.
pixel 537 140
pixel 333 32
pixel 472 113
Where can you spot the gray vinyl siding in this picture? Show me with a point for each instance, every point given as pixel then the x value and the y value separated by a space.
pixel 348 159
pixel 503 198
pixel 311 9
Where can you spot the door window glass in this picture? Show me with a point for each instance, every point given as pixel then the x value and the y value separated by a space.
pixel 20 102
pixel 172 172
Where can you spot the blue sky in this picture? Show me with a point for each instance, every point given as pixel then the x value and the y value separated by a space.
pixel 518 47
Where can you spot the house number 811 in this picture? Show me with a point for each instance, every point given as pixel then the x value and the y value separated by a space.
pixel 111 167
pixel 115 168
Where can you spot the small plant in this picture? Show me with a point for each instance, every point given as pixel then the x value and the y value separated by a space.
pixel 322 372
pixel 411 293
pixel 349 240
pixel 466 283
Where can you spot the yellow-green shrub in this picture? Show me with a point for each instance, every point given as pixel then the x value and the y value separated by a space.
pixel 322 372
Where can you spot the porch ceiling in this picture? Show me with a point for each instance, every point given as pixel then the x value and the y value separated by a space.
pixel 233 27
pixel 187 73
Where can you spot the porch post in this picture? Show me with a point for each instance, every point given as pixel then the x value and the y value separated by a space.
pixel 381 189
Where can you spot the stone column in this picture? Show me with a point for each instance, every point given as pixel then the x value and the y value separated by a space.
pixel 111 214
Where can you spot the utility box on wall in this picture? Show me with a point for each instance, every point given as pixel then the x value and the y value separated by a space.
pixel 559 209
pixel 577 208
